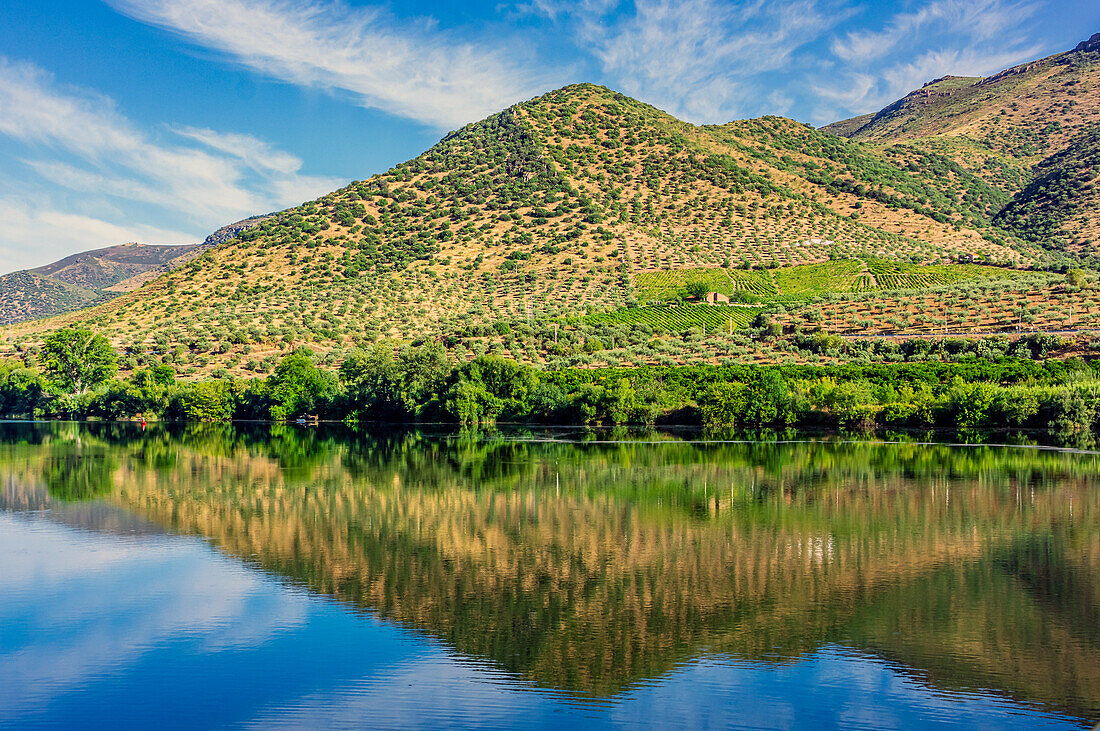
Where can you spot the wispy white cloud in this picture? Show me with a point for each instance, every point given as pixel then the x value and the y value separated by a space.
pixel 78 141
pixel 977 20
pixel 699 59
pixel 715 60
pixel 255 153
pixel 876 66
pixel 411 69
pixel 856 91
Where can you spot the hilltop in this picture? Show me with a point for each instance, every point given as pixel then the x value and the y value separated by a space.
pixel 564 209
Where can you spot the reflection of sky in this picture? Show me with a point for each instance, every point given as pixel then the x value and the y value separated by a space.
pixel 98 629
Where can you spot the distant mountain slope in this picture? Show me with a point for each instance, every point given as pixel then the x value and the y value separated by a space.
pixel 103 268
pixel 1023 130
pixel 562 206
pixel 91 277
pixel 1061 203
pixel 25 295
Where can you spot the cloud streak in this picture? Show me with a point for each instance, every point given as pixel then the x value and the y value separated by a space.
pixel 699 59
pixel 78 142
pixel 978 20
pixel 876 66
pixel 413 70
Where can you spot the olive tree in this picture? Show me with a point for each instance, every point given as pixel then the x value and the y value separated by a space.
pixel 77 360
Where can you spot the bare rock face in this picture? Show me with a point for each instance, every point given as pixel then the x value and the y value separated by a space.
pixel 225 233
pixel 1092 44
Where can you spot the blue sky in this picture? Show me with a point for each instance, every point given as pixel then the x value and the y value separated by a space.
pixel 160 120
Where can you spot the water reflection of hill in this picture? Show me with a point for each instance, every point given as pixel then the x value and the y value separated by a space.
pixel 592 567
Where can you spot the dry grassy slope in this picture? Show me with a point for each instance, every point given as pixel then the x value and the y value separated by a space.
pixel 918 195
pixel 544 210
pixel 1006 129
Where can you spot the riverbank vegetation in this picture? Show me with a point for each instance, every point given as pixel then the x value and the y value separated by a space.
pixel 920 383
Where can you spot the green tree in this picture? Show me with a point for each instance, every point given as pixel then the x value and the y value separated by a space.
pixel 203 401
pixel 699 290
pixel 723 404
pixel 77 360
pixel 298 386
pixel 973 403
pixel 1074 417
pixel 1076 278
pixel 371 380
pixel 488 387
pixel 424 371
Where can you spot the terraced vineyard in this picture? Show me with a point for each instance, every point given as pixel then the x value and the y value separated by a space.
pixel 1029 302
pixel 811 280
pixel 898 275
pixel 758 282
pixel 662 286
pixel 676 318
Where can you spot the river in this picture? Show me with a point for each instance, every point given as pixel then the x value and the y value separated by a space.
pixel 275 576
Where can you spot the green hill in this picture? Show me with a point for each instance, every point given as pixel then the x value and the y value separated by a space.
pixel 27 295
pixel 91 277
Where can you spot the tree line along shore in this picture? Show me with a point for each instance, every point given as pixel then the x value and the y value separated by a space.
pixel 988 383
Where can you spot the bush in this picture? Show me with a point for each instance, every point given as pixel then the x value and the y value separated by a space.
pixel 203 401
pixel 298 386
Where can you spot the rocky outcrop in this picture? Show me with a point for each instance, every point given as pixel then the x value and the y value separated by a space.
pixel 1092 44
pixel 1014 71
pixel 230 231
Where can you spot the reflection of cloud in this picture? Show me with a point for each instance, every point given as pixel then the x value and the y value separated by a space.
pixel 434 691
pixel 89 605
pixel 832 688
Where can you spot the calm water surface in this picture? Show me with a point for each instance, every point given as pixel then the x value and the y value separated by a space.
pixel 213 577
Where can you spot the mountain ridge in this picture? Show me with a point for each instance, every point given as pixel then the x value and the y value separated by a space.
pixel 1011 128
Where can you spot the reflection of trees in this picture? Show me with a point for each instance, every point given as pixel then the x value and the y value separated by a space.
pixel 1058 570
pixel 591 567
pixel 77 473
pixel 71 465
pixel 978 626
